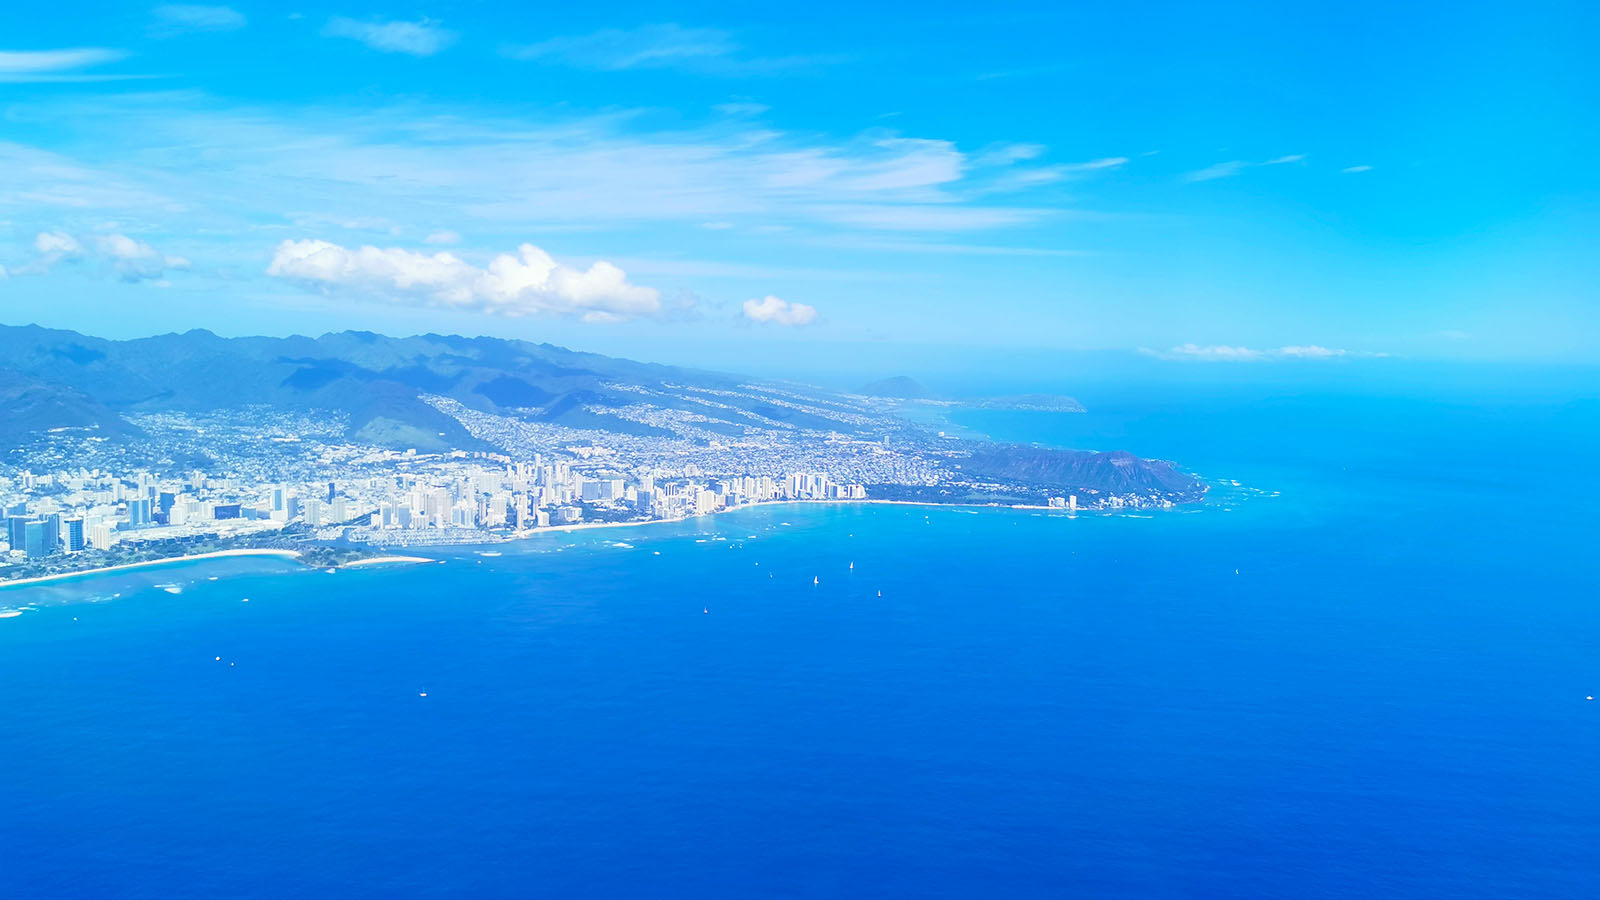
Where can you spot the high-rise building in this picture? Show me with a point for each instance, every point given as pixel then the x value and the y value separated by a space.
pixel 72 535
pixel 101 536
pixel 34 543
pixel 17 528
pixel 139 512
pixel 52 533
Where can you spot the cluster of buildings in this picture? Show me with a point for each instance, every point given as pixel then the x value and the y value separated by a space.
pixel 420 496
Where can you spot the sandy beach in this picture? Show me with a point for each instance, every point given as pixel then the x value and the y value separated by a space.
pixel 387 560
pixel 144 564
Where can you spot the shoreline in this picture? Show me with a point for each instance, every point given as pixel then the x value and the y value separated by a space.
pixel 147 563
pixel 385 560
pixel 395 558
pixel 532 533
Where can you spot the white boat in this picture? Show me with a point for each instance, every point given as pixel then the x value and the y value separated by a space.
pixel 815 580
pixel 488 552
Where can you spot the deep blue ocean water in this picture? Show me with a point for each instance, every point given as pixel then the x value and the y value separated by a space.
pixel 1359 673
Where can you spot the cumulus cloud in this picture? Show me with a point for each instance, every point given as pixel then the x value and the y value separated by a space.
pixel 57 245
pixel 1225 353
pixel 135 260
pixel 130 259
pixel 528 283
pixel 779 312
pixel 421 38
pixel 179 18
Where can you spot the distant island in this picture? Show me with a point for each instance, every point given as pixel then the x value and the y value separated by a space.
pixel 345 445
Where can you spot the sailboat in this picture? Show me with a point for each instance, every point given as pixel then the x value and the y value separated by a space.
pixel 815 580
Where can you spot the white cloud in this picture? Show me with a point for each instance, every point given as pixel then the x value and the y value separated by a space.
pixel 420 38
pixel 526 284
pixel 741 108
pixel 56 65
pixel 1220 170
pixel 779 312
pixel 1109 162
pixel 178 18
pixel 708 51
pixel 1225 353
pixel 382 171
pixel 1311 352
pixel 1235 166
pixel 23 62
pixel 1006 154
pixel 1354 170
pixel 135 260
pixel 648 46
pixel 130 259
pixel 442 237
pixel 57 244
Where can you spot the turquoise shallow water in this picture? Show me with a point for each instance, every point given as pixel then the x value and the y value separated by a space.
pixel 1371 684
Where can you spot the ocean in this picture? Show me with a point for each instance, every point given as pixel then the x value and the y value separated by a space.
pixel 1360 671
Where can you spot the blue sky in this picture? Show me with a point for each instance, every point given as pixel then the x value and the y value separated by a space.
pixel 730 184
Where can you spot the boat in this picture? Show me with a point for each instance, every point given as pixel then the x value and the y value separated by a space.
pixel 707 610
pixel 488 552
pixel 815 580
pixel 852 566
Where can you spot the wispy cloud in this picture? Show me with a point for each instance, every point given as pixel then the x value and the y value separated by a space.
pixel 1354 170
pixel 420 38
pixel 181 18
pixel 57 65
pixel 1226 353
pixel 528 283
pixel 387 171
pixel 710 51
pixel 1235 166
pixel 774 311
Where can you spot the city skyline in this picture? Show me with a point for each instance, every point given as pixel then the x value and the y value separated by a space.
pixel 719 187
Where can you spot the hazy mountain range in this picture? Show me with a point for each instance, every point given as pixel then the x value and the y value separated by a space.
pixel 53 378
